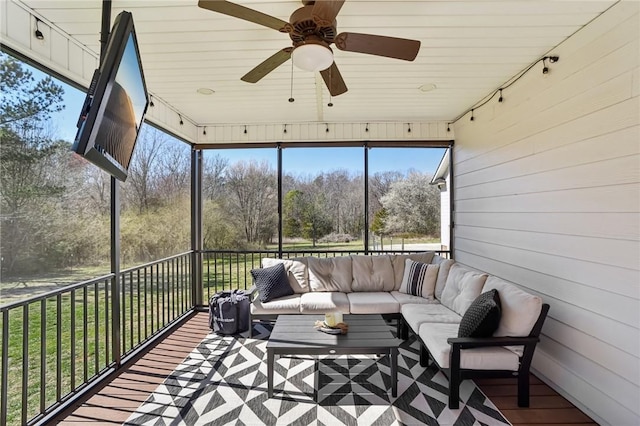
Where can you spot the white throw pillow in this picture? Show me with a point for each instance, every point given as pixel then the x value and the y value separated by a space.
pixel 419 279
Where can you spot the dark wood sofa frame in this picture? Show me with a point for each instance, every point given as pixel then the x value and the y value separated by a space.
pixel 456 375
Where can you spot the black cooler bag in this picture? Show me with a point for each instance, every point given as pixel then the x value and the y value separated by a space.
pixel 229 312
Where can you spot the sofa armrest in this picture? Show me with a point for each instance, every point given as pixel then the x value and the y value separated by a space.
pixel 476 342
pixel 253 292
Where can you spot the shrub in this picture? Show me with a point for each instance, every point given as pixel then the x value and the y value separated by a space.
pixel 336 238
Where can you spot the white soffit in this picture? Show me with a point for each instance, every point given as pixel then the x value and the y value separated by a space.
pixel 468 50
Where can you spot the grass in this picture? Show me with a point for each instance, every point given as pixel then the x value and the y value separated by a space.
pixel 73 354
pixel 151 299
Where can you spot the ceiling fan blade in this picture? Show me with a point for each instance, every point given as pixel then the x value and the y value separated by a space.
pixel 391 47
pixel 324 12
pixel 333 79
pixel 242 12
pixel 268 65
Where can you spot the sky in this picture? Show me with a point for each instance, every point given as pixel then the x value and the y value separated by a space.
pixel 299 161
pixel 305 161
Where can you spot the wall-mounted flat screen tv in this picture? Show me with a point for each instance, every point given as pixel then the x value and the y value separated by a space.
pixel 116 103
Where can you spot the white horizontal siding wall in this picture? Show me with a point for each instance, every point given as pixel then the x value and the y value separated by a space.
pixel 547 195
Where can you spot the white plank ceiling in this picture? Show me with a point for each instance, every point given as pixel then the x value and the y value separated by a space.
pixel 469 49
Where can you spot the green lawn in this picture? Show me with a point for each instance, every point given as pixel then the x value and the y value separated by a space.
pixel 74 353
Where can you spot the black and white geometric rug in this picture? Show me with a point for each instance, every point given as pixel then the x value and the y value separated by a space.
pixel 224 382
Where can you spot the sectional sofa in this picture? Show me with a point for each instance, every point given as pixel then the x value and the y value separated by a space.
pixel 429 296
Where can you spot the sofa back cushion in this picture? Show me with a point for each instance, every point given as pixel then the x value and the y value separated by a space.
pixel 398 264
pixel 296 269
pixel 520 310
pixel 443 272
pixel 462 288
pixel 330 274
pixel 372 273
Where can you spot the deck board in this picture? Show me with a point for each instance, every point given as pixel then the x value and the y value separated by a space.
pixel 115 402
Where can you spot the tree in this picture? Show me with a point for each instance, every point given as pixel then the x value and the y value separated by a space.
pixel 144 169
pixel 23 101
pixel 253 199
pixel 292 214
pixel 214 177
pixel 32 167
pixel 316 222
pixel 413 205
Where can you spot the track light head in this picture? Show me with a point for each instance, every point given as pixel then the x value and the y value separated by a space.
pixel 448 128
pixel 500 99
pixel 291 100
pixel 554 59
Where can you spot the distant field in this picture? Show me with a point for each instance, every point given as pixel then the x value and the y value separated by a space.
pixel 16 288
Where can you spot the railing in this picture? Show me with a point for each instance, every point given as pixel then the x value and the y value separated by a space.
pixel 56 344
pixel 231 269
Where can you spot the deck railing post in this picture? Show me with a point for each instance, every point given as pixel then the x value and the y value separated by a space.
pixel 196 226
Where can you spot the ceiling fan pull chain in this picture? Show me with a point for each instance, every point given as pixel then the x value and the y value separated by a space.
pixel 330 104
pixel 291 96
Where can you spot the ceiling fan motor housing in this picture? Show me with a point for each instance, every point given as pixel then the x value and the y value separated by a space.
pixel 305 25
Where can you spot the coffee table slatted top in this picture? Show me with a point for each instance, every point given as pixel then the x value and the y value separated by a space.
pixel 298 332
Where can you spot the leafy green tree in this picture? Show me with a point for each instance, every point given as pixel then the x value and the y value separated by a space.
pixel 379 223
pixel 292 217
pixel 316 221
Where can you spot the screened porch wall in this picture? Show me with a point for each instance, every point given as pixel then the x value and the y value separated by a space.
pixel 547 195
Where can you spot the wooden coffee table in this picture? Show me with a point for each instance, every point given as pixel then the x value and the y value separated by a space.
pixel 368 334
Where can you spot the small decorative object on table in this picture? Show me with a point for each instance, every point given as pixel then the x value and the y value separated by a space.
pixel 333 324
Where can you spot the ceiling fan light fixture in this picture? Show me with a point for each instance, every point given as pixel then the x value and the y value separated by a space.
pixel 312 57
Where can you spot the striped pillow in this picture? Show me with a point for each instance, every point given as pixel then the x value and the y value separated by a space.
pixel 419 279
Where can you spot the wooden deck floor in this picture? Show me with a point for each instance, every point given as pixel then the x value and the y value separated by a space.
pixel 115 402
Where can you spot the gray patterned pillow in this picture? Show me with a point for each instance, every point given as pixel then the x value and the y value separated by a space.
pixel 483 316
pixel 271 282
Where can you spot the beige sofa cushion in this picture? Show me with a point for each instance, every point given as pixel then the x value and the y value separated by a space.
pixel 331 274
pixel 417 314
pixel 296 269
pixel 372 273
pixel 323 302
pixel 462 287
pixel 443 272
pixel 398 264
pixel 520 310
pixel 435 338
pixel 373 303
pixel 283 305
pixel 405 299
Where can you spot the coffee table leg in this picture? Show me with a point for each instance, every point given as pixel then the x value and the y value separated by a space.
pixel 394 372
pixel 270 359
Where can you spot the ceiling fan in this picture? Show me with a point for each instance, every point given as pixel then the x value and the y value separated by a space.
pixel 312 28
